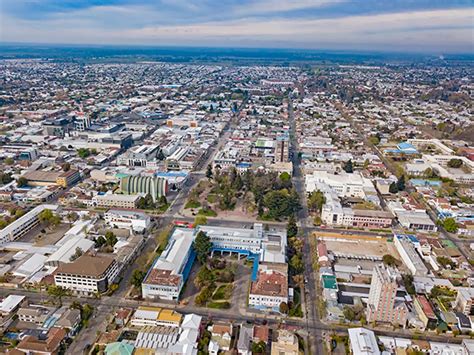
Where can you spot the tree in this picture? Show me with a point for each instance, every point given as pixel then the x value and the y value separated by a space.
pixel 348 167
pixel 349 313
pixel 296 264
pixel 204 277
pixel 57 292
pixel 9 161
pixel 445 262
pixel 455 163
pixel 47 217
pixel 72 216
pixel 450 225
pixel 259 348
pixel 66 166
pixel 76 254
pixel 83 153
pixel 401 183
pixel 316 200
pixel 5 178
pixel 202 245
pixel 209 172
pixel 291 228
pixel 110 238
pixel 200 220
pixel 161 155
pixel 146 203
pixel 137 278
pixel 22 181
pixel 408 282
pixel 99 242
pixel 393 188
pixel 389 260
pixel 284 308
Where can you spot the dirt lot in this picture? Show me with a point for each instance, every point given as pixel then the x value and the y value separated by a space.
pixel 356 247
pixel 49 238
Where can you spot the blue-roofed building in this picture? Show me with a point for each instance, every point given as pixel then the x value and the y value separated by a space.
pixel 402 148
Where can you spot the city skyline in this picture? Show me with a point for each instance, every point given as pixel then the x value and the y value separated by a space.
pixel 436 27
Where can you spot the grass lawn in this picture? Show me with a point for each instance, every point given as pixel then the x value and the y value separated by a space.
pixel 192 204
pixel 208 212
pixel 223 292
pixel 219 305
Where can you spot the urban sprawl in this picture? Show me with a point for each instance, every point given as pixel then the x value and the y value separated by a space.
pixel 158 208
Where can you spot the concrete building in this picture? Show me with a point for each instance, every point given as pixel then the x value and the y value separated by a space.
pixel 405 245
pixel 117 200
pixel 363 342
pixel 155 316
pixel 154 186
pixel 381 304
pixel 465 300
pixel 52 178
pixel 87 275
pixel 142 155
pixel 271 287
pixel 23 224
pixel 137 221
pixel 170 271
pixel 286 343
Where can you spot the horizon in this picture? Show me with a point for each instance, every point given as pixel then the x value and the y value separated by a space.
pixel 420 27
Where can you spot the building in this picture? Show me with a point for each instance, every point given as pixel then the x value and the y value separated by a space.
pixel 24 224
pixel 416 220
pixel 116 200
pixel 137 221
pixel 425 312
pixel 465 300
pixel 44 345
pixel 405 245
pixel 82 122
pixel 363 342
pixel 271 287
pixel 155 316
pixel 10 304
pixel 52 178
pixel 381 304
pixel 170 271
pixel 87 275
pixel 34 314
pixel 286 343
pixel 142 155
pixel 221 336
pixel 154 186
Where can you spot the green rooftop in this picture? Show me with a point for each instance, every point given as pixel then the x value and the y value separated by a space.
pixel 329 281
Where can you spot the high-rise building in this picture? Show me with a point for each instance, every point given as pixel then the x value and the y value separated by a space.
pixel 82 122
pixel 382 305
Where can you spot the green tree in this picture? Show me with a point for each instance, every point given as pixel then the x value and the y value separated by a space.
pixel 146 203
pixel 284 308
pixel 450 225
pixel 393 188
pixel 66 166
pixel 445 262
pixel 200 220
pixel 316 200
pixel 296 264
pixel 209 172
pixel 204 277
pixel 5 178
pixel 83 153
pixel 401 183
pixel 9 161
pixel 161 155
pixel 137 278
pixel 76 254
pixel 291 228
pixel 349 313
pixel 408 283
pixel 348 167
pixel 259 348
pixel 22 181
pixel 455 163
pixel 202 245
pixel 57 292
pixel 110 238
pixel 389 260
pixel 99 242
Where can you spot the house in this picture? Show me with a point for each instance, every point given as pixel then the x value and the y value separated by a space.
pixel 221 335
pixel 122 316
pixel 119 348
pixel 363 342
pixel 10 304
pixel 48 346
pixel 286 343
pixel 271 287
pixel 245 339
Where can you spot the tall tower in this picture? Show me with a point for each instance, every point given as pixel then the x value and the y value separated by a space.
pixel 382 305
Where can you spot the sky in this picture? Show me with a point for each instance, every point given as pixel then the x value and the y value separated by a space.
pixel 431 26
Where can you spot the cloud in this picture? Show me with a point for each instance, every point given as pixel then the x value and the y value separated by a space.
pixel 275 6
pixel 441 30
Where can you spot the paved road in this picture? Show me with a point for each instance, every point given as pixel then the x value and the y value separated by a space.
pixel 315 338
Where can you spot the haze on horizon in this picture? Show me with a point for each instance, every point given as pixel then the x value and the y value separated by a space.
pixel 431 26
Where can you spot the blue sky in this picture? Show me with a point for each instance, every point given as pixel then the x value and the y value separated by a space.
pixel 432 26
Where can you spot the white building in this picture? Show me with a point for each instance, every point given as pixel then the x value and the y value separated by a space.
pixel 23 224
pixel 168 274
pixel 137 221
pixel 271 287
pixel 363 342
pixel 410 257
